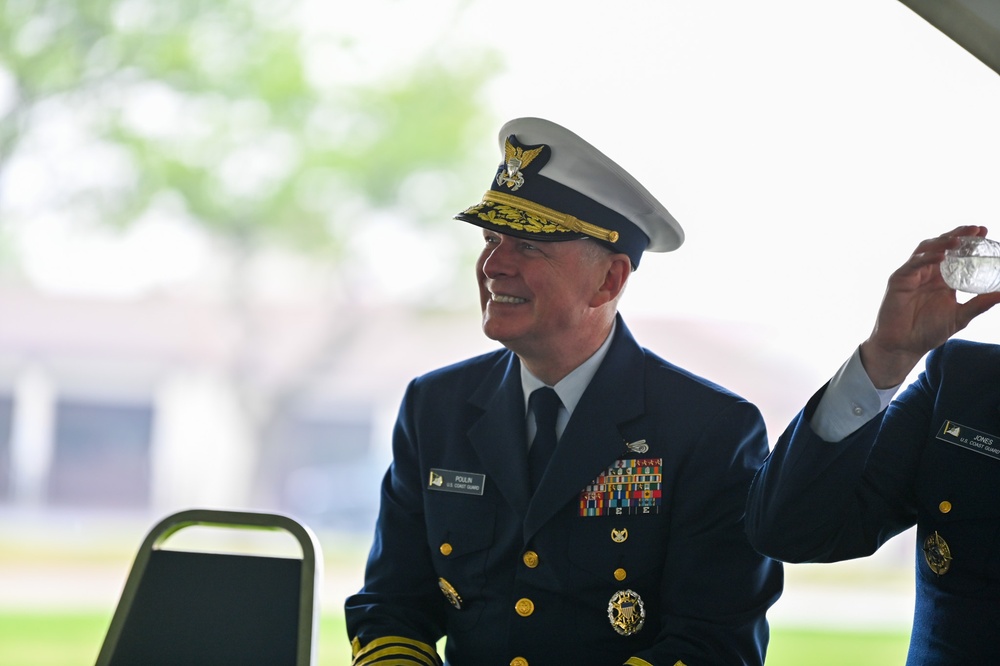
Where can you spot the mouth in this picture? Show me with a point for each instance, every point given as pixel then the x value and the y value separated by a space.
pixel 503 298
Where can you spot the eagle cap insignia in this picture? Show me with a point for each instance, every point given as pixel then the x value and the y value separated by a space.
pixel 515 159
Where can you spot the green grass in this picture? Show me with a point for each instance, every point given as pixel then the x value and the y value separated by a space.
pixel 803 647
pixel 74 638
pixel 50 639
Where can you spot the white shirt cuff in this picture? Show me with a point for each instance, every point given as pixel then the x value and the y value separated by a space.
pixel 850 401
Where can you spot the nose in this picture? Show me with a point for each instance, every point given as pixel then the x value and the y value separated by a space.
pixel 496 260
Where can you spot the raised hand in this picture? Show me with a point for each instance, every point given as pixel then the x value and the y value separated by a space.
pixel 919 311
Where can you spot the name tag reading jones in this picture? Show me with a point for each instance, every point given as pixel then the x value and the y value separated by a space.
pixel 974 440
pixel 449 481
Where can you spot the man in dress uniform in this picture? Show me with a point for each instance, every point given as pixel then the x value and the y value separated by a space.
pixel 572 498
pixel 850 473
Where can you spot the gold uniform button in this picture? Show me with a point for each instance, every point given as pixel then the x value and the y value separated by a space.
pixel 524 607
pixel 518 661
pixel 944 506
pixel 446 549
pixel 620 574
pixel 530 559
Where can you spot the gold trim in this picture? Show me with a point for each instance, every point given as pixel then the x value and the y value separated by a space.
pixel 389 646
pixel 560 219
pixel 637 661
pixel 509 216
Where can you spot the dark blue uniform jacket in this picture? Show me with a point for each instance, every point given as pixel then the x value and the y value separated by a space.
pixel 931 460
pixel 526 580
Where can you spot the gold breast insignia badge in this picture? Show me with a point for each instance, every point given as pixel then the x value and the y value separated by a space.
pixel 626 612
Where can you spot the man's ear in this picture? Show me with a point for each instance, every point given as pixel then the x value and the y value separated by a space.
pixel 615 278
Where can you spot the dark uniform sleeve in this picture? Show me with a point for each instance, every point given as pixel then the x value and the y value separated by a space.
pixel 819 501
pixel 398 616
pixel 716 589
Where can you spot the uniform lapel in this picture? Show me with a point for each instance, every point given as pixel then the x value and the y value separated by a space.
pixel 593 437
pixel 498 437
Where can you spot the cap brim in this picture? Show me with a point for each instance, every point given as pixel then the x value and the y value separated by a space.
pixel 513 221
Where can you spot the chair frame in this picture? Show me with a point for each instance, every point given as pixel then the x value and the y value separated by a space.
pixel 308 620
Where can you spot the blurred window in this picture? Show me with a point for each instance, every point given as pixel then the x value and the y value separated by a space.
pixel 101 456
pixel 326 471
pixel 326 440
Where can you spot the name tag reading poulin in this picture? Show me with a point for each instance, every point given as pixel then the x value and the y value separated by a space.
pixel 449 481
pixel 974 440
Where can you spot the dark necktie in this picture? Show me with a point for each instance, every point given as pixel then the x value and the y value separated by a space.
pixel 544 404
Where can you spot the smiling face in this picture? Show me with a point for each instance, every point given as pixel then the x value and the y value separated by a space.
pixel 551 303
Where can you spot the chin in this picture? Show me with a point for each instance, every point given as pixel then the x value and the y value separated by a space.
pixel 491 333
pixel 496 331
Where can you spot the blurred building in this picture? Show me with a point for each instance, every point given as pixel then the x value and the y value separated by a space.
pixel 138 405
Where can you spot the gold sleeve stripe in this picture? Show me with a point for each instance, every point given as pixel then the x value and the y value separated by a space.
pixel 555 216
pixel 392 660
pixel 400 656
pixel 394 650
pixel 636 661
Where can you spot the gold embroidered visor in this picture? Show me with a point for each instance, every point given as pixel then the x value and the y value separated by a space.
pixel 517 214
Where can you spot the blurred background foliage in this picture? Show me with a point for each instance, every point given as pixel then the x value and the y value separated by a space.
pixel 227 113
pixel 239 120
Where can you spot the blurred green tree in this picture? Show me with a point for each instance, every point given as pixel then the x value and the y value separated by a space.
pixel 224 105
pixel 241 119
